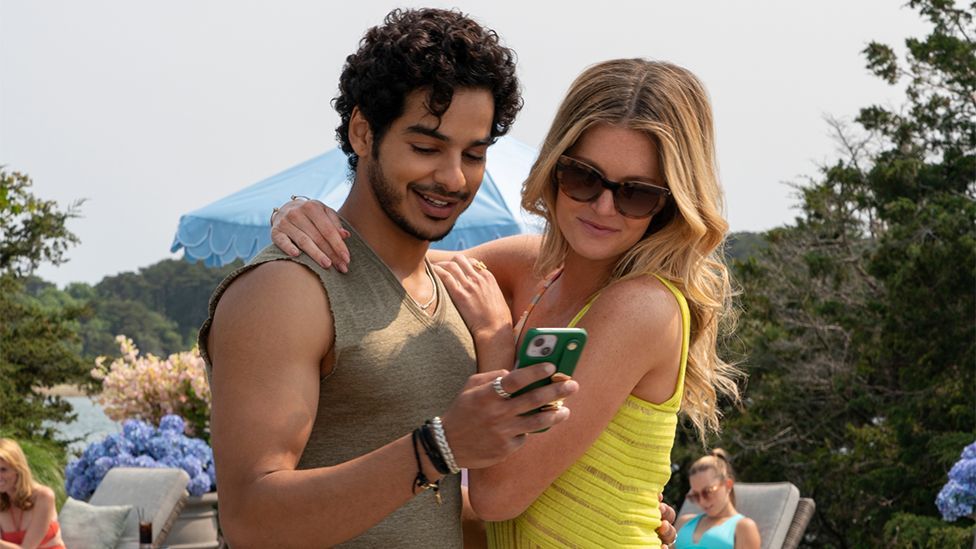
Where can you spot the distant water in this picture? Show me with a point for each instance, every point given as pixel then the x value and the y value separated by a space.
pixel 92 423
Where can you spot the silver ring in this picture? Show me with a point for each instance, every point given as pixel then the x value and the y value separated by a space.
pixel 497 386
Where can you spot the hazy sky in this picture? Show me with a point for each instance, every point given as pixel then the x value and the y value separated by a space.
pixel 150 110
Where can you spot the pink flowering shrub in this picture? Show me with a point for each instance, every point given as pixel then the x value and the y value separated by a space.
pixel 149 387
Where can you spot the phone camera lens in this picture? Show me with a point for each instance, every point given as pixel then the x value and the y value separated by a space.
pixel 537 342
pixel 546 350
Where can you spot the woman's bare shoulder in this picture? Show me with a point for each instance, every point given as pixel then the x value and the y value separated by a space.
pixel 682 520
pixel 622 319
pixel 43 495
pixel 747 534
pixel 746 524
pixel 644 300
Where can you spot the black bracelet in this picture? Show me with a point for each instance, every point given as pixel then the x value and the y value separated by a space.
pixel 421 481
pixel 432 450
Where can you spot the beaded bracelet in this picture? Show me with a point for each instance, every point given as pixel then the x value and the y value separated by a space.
pixel 432 451
pixel 445 449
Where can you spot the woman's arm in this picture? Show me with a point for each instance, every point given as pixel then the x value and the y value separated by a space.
pixel 511 261
pixel 312 227
pixel 634 331
pixel 43 512
pixel 479 300
pixel 484 307
pixel 747 534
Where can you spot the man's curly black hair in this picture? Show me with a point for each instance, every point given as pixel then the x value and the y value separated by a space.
pixel 433 49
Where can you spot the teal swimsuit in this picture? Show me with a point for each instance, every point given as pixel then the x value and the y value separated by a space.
pixel 716 537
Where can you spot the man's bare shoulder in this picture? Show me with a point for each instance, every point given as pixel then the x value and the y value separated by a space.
pixel 274 297
pixel 284 279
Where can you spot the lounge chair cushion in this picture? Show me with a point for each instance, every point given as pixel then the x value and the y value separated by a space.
pixel 771 504
pixel 92 526
pixel 159 493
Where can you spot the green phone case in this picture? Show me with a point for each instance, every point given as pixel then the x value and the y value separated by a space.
pixel 560 346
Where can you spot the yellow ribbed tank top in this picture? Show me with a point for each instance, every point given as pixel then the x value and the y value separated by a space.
pixel 609 497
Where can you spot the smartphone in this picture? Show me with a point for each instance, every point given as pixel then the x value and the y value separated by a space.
pixel 560 346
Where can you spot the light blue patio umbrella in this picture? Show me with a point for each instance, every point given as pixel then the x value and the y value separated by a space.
pixel 236 226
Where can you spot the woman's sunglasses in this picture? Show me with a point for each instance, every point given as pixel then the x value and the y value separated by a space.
pixel 584 183
pixel 705 494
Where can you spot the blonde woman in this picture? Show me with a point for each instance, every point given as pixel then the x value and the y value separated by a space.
pixel 28 517
pixel 626 183
pixel 719 526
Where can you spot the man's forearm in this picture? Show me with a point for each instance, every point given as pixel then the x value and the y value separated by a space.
pixel 327 505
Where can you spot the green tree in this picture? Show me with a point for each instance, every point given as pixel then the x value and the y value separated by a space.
pixel 34 231
pixel 151 330
pixel 160 307
pixel 38 340
pixel 177 291
pixel 859 321
pixel 743 245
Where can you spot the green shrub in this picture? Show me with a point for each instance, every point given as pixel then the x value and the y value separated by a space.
pixel 907 531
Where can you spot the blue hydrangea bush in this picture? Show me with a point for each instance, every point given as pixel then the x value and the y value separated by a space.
pixel 142 445
pixel 958 497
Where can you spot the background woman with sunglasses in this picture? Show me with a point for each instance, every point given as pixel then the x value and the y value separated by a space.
pixel 720 526
pixel 627 185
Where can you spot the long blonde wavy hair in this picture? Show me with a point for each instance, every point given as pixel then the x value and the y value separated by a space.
pixel 12 453
pixel 684 242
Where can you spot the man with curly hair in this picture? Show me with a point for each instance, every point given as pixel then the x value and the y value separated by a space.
pixel 345 404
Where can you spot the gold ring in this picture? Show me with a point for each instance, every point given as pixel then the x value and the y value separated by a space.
pixel 554 405
pixel 478 264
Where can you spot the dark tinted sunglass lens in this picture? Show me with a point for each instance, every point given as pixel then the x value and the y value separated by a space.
pixel 579 182
pixel 638 200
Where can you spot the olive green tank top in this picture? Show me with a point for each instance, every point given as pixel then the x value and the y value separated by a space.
pixel 395 367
